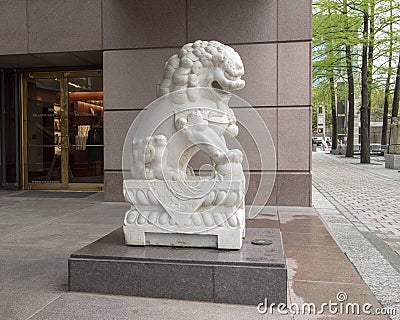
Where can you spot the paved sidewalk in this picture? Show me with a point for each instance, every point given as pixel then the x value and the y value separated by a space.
pixel 360 205
pixel 369 195
pixel 37 235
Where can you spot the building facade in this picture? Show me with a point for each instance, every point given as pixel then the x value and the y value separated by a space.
pixel 74 74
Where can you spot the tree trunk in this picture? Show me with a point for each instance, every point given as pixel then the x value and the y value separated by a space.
pixel 333 111
pixel 387 84
pixel 386 107
pixel 350 119
pixel 332 92
pixel 371 44
pixel 396 95
pixel 365 141
pixel 385 114
pixel 350 87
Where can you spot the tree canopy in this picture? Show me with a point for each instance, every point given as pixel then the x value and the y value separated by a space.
pixel 356 42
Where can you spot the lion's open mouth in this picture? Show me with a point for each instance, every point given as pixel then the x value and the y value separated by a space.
pixel 216 85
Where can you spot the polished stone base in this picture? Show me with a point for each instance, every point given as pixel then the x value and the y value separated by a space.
pixel 245 276
pixel 392 161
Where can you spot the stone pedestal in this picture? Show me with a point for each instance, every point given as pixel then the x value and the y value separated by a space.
pixel 246 277
pixel 392 161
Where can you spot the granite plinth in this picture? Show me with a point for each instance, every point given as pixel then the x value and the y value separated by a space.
pixel 392 161
pixel 245 276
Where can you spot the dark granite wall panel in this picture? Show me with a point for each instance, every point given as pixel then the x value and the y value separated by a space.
pixel 62 26
pixel 143 23
pixel 232 21
pixel 13 27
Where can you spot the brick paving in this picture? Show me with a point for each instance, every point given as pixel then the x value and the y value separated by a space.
pixel 367 194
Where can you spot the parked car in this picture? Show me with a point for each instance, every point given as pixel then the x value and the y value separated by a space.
pixel 317 141
pixel 375 149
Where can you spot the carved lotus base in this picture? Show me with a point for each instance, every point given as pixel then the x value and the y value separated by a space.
pixel 158 216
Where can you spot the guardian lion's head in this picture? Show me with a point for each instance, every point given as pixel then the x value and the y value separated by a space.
pixel 202 64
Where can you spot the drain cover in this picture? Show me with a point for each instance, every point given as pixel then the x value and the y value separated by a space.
pixel 261 242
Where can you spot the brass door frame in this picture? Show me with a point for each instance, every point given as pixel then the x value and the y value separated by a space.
pixel 64 184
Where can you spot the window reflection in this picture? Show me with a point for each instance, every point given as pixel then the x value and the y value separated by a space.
pixel 60 141
pixel 86 111
pixel 43 131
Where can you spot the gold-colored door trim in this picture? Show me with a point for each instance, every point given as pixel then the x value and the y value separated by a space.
pixel 64 139
pixel 64 143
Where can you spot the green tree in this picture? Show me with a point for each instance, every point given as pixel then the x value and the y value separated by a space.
pixel 377 104
pixel 388 78
pixel 328 55
pixel 396 94
pixel 321 95
pixel 349 42
pixel 365 93
pixel 355 41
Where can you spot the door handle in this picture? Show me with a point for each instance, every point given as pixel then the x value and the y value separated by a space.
pixel 68 142
pixel 60 140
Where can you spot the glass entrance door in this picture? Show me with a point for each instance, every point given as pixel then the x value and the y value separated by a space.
pixel 85 129
pixel 63 130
